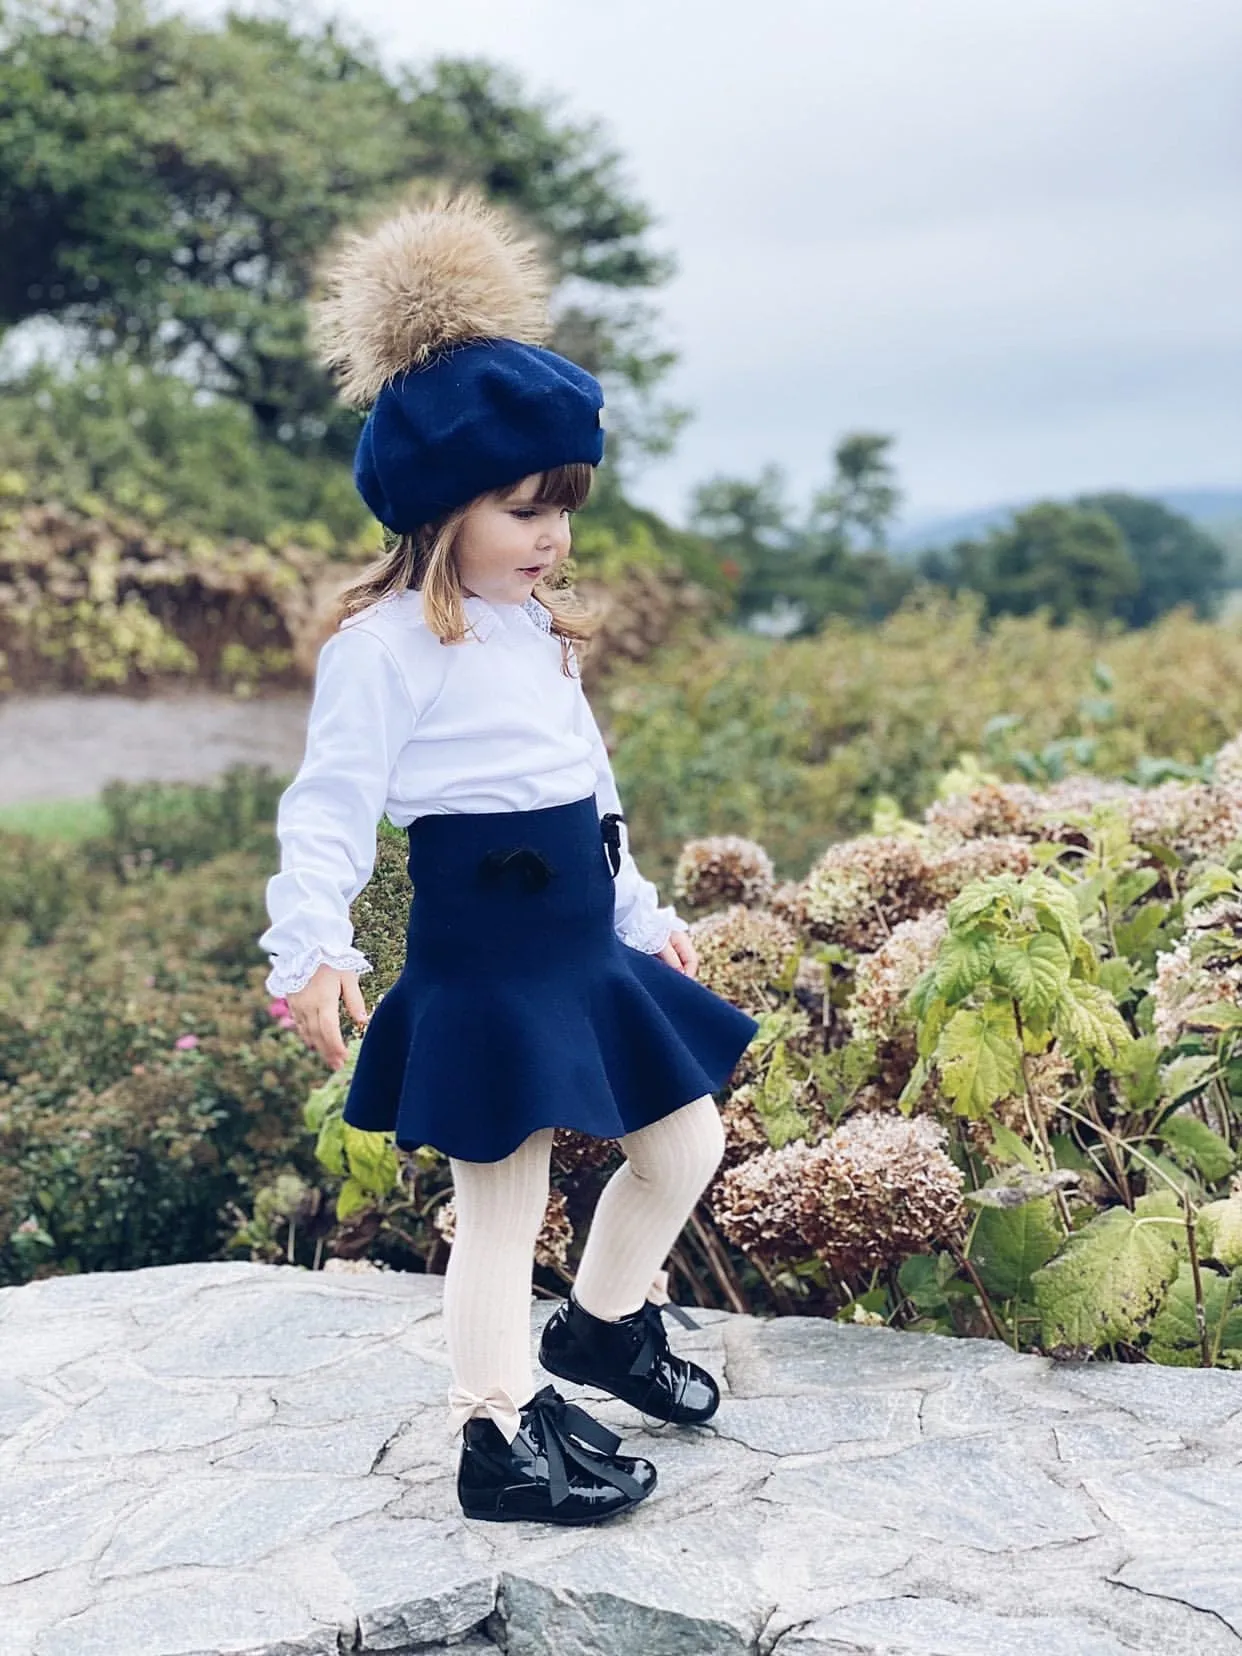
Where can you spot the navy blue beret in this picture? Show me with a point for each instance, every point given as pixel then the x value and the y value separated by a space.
pixel 480 416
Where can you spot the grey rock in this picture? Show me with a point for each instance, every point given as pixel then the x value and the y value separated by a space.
pixel 232 1459
pixel 937 1627
pixel 976 1493
pixel 231 1519
pixel 243 1614
pixel 1209 1577
pixel 52 1519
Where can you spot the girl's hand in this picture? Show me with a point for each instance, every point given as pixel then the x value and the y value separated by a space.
pixel 679 951
pixel 315 1014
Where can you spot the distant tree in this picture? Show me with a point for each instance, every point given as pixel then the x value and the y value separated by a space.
pixel 167 186
pixel 856 509
pixel 1178 563
pixel 1063 558
pixel 748 521
pixel 829 561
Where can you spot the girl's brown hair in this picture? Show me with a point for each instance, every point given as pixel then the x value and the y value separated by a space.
pixel 424 560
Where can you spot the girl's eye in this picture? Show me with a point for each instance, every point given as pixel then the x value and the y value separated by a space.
pixel 523 511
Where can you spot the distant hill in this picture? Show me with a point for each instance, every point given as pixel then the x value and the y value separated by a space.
pixel 1212 509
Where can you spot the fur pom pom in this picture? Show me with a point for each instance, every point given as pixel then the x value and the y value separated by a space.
pixel 425 279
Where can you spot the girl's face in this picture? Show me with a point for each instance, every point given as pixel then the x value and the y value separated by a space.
pixel 505 544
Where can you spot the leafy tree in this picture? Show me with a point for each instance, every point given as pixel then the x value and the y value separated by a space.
pixel 1178 563
pixel 833 561
pixel 167 187
pixel 1066 559
pixel 749 523
pixel 855 511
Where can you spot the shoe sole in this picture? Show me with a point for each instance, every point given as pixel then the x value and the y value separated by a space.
pixel 596 1385
pixel 563 1523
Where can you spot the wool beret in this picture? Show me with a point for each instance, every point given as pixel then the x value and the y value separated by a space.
pixel 479 416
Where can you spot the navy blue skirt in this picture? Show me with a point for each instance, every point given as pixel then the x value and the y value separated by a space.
pixel 519 1007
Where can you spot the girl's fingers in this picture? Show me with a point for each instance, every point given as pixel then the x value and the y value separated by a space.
pixel 354 1003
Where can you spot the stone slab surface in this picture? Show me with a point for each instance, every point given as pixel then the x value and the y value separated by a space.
pixel 238 1459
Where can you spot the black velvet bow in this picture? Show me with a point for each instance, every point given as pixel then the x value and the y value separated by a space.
pixel 563 1421
pixel 610 827
pixel 533 866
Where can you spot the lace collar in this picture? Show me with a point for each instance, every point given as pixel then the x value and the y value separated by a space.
pixel 484 616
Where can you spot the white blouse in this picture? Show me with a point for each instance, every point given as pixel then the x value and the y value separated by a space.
pixel 402 725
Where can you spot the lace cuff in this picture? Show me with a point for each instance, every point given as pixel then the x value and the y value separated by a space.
pixel 650 934
pixel 495 1402
pixel 290 975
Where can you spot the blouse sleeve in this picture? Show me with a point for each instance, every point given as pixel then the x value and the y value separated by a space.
pixel 361 716
pixel 640 921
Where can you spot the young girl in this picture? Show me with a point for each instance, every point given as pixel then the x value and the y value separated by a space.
pixel 543 986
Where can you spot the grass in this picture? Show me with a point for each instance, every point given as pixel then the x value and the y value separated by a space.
pixel 62 819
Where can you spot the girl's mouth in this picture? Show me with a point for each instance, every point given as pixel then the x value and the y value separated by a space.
pixel 537 570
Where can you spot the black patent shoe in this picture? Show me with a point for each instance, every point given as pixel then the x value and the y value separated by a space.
pixel 561 1468
pixel 631 1359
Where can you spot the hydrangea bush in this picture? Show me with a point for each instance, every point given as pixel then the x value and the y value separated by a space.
pixel 996 1087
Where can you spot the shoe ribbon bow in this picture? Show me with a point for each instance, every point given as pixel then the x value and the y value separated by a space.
pixel 610 826
pixel 496 1402
pixel 563 1422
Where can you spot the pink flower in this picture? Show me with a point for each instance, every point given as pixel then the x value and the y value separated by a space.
pixel 183 1043
pixel 287 1022
pixel 279 1008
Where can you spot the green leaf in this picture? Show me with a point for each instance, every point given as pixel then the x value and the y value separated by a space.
pixel 976 898
pixel 978 1057
pixel 964 960
pixel 922 1279
pixel 372 1160
pixel 1217 1015
pixel 330 1145
pixel 1135 934
pixel 914 1086
pixel 1175 1329
pixel 1186 1075
pixel 1194 1144
pixel 350 1198
pixel 1118 977
pixel 1107 1281
pixel 931 1024
pixel 1213 880
pixel 1086 1018
pixel 1138 1070
pixel 1034 970
pixel 1181 1178
pixel 1136 883
pixel 1013 1147
pixel 1011 1243
pixel 1055 907
pixel 1067 1153
pixel 1218 1231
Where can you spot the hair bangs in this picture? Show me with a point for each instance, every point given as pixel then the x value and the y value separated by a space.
pixel 564 486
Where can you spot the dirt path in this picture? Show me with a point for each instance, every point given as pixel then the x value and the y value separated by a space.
pixel 67 746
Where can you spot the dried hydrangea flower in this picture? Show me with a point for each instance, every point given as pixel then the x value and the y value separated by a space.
pixel 953 869
pixel 552 1243
pixel 1227 769
pixel 859 889
pixel 879 1189
pixel 742 950
pixel 756 1204
pixel 883 979
pixel 723 868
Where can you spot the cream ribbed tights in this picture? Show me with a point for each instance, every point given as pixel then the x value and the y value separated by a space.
pixel 500 1208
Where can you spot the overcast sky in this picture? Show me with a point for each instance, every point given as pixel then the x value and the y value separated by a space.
pixel 1006 231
